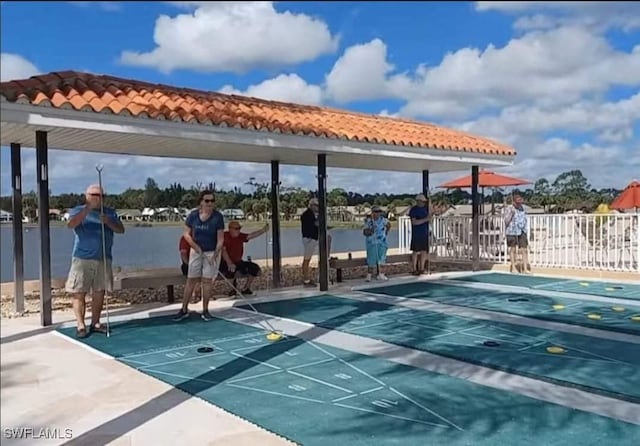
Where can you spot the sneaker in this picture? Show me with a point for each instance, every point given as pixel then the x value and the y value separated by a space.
pixel 368 279
pixel 206 316
pixel 181 315
pixel 381 276
pixel 231 293
pixel 308 283
pixel 247 292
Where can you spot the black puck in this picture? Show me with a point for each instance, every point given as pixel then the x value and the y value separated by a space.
pixel 491 343
pixel 205 350
pixel 518 299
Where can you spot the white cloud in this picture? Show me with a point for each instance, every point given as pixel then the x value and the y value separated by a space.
pixel 597 16
pixel 603 165
pixel 105 6
pixel 14 66
pixel 234 37
pixel 285 87
pixel 554 67
pixel 613 121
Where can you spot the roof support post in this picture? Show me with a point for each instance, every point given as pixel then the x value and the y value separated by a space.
pixel 475 219
pixel 42 165
pixel 18 250
pixel 276 253
pixel 425 191
pixel 425 183
pixel 322 223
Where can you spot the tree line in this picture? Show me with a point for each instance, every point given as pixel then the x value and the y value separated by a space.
pixel 569 190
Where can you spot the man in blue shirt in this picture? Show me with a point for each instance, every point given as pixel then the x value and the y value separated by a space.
pixel 88 260
pixel 420 218
pixel 204 232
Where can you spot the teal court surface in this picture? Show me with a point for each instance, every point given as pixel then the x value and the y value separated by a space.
pixel 314 394
pixel 596 288
pixel 620 315
pixel 604 366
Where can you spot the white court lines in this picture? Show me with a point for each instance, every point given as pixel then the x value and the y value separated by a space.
pixel 534 291
pixel 541 390
pixel 491 315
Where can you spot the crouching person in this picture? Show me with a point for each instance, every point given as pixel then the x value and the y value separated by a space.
pixel 232 265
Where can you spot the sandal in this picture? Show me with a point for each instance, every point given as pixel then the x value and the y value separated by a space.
pixel 98 329
pixel 81 333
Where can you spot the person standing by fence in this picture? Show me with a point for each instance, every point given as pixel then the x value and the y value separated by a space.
pixel 515 221
pixel 420 218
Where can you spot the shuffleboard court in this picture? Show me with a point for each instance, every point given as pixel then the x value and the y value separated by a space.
pixel 596 288
pixel 313 394
pixel 602 366
pixel 593 314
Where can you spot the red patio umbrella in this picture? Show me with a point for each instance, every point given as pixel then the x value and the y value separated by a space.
pixel 629 198
pixel 485 179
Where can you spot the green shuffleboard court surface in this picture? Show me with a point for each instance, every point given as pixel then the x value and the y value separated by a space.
pixel 605 289
pixel 604 316
pixel 316 395
pixel 598 365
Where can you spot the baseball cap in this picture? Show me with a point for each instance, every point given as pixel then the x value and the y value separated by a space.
pixel 421 197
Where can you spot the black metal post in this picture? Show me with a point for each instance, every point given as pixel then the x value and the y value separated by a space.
pixel 322 223
pixel 425 191
pixel 276 252
pixel 425 183
pixel 42 165
pixel 475 219
pixel 18 250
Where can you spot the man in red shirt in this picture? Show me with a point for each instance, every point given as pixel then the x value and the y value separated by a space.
pixel 184 248
pixel 232 252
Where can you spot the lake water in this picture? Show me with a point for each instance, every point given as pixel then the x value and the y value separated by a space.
pixel 154 247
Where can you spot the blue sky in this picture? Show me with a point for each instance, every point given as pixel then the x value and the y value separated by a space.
pixel 558 81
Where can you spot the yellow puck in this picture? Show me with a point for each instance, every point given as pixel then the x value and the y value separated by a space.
pixel 610 289
pixel 594 316
pixel 555 349
pixel 584 283
pixel 635 318
pixel 274 336
pixel 617 308
pixel 558 307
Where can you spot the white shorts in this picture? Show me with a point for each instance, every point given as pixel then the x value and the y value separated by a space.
pixel 203 265
pixel 88 275
pixel 310 247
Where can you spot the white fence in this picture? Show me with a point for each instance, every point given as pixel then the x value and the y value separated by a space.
pixel 608 242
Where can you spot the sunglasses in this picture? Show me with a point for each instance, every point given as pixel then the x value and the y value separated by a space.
pixel 235 228
pixel 209 201
pixel 94 195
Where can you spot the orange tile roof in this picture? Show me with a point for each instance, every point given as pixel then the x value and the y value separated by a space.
pixel 101 93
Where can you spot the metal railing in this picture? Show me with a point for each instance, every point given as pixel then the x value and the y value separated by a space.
pixel 605 242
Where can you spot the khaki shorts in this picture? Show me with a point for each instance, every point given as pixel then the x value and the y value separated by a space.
pixel 310 247
pixel 199 266
pixel 88 275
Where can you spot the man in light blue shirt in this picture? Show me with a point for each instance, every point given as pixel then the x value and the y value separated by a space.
pixel 515 221
pixel 88 260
